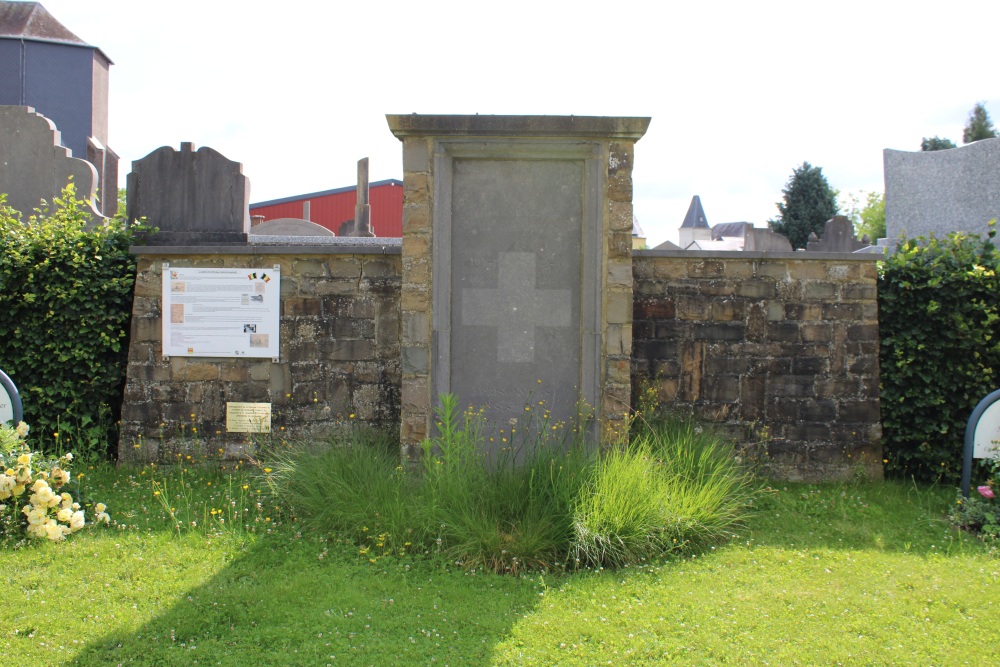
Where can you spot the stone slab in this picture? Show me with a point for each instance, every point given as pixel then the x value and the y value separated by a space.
pixel 938 192
pixel 192 197
pixel 515 284
pixel 35 166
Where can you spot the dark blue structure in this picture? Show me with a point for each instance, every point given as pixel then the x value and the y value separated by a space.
pixel 45 66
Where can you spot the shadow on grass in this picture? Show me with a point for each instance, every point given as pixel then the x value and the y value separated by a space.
pixel 281 603
pixel 890 515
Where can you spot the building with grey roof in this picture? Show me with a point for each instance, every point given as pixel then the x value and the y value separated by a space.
pixel 47 67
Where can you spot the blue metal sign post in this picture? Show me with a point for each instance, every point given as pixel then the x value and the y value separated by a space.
pixel 970 438
pixel 10 401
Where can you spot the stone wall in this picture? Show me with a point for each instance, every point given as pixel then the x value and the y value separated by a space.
pixel 779 348
pixel 771 347
pixel 339 352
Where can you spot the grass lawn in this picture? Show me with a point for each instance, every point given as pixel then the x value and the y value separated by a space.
pixel 821 575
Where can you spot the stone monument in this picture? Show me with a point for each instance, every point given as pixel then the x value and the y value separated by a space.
pixel 838 236
pixel 36 166
pixel 517 266
pixel 192 197
pixel 938 192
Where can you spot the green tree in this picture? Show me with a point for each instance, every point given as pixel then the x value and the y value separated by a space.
pixel 809 202
pixel 978 126
pixel 868 217
pixel 936 144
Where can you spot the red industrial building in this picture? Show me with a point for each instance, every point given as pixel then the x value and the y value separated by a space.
pixel 332 208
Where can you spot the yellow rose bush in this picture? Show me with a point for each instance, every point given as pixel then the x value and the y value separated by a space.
pixel 32 485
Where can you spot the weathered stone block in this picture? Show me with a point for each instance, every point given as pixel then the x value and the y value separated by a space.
pixel 841 311
pixel 654 309
pixel 859 411
pixel 197 372
pixel 816 290
pixel 756 289
pixel 708 268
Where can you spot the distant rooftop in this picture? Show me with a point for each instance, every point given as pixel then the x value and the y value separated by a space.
pixel 31 21
pixel 695 218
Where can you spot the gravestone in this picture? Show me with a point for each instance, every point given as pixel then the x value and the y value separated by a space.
pixel 838 236
pixel 938 192
pixel 517 280
pixel 35 166
pixel 193 197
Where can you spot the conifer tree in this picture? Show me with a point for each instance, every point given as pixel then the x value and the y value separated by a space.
pixel 978 126
pixel 809 202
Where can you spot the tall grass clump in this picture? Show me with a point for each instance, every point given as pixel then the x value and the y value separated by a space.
pixel 675 486
pixel 550 502
pixel 352 484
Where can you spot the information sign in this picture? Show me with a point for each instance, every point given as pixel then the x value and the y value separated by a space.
pixel 248 417
pixel 221 312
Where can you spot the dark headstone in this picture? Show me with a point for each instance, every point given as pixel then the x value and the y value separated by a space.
pixel 838 236
pixel 194 198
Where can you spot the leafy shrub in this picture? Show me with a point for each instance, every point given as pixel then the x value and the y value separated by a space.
pixel 939 318
pixel 553 503
pixel 66 299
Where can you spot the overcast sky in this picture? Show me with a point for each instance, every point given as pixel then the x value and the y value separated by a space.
pixel 740 93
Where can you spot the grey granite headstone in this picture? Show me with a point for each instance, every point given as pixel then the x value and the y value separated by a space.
pixel 838 236
pixel 193 197
pixel 516 248
pixel 938 192
pixel 35 166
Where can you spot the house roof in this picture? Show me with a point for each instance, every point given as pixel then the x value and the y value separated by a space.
pixel 724 229
pixel 31 21
pixel 695 218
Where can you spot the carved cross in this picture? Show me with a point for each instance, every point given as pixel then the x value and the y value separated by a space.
pixel 516 307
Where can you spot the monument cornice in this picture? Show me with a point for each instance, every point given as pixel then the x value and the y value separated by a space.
pixel 603 127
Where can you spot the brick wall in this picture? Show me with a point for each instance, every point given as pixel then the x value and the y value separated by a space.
pixel 339 354
pixel 773 347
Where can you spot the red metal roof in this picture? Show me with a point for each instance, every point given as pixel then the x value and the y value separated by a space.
pixel 332 208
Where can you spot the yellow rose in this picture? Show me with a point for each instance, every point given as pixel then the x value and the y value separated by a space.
pixel 39 485
pixel 22 429
pixel 45 495
pixel 18 489
pixel 100 507
pixel 76 521
pixel 24 459
pixel 54 531
pixel 64 515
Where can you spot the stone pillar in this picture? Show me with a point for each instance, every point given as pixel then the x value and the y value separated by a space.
pixel 517 266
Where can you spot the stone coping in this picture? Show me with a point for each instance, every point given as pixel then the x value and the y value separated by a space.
pixel 311 248
pixel 760 254
pixel 604 127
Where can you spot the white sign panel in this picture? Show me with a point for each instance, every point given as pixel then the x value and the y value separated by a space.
pixel 221 312
pixel 988 433
pixel 6 406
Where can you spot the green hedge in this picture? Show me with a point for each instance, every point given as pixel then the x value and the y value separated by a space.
pixel 939 317
pixel 65 307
